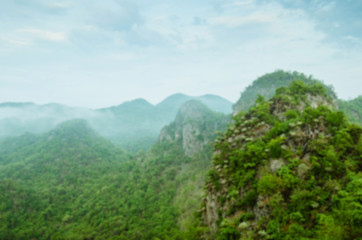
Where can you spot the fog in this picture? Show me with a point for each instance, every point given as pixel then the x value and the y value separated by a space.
pixel 133 125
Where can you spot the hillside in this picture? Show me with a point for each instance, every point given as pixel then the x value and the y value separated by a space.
pixel 50 182
pixel 70 183
pixel 268 83
pixel 290 168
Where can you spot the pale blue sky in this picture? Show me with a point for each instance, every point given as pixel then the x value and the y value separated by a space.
pixel 101 53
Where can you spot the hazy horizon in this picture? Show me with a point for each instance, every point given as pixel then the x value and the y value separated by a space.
pixel 126 101
pixel 100 54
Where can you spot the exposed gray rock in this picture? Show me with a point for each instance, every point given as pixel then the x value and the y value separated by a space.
pixel 276 164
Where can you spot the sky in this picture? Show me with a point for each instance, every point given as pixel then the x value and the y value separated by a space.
pixel 101 53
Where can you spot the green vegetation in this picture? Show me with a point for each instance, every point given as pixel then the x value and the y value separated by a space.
pixel 287 169
pixel 268 83
pixel 70 183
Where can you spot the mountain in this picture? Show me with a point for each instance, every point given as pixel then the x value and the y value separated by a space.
pixel 268 83
pixel 70 183
pixel 174 101
pixel 195 126
pixel 49 182
pixel 214 102
pixel 134 125
pixel 19 118
pixel 289 168
pixel 171 174
pixel 352 108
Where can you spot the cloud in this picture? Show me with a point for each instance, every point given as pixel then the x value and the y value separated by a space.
pixel 45 34
pixel 233 21
pixel 120 49
pixel 114 15
pixel 339 19
pixel 14 41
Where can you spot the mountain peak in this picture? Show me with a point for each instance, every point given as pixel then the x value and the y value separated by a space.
pixel 268 83
pixel 195 127
pixel 175 100
pixel 78 128
pixel 279 165
pixel 192 109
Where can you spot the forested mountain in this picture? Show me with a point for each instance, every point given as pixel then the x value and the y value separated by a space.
pixel 70 183
pixel 134 125
pixel 268 83
pixel 49 182
pixel 290 168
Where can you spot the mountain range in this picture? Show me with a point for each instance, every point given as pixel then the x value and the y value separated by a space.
pixel 133 123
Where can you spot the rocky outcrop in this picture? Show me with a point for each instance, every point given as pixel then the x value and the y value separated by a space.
pixel 262 155
pixel 195 127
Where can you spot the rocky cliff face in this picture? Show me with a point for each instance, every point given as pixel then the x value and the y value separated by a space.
pixel 195 127
pixel 278 167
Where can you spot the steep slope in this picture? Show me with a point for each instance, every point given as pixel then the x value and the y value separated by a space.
pixel 194 127
pixel 181 158
pixel 266 86
pixel 290 168
pixel 194 130
pixel 167 187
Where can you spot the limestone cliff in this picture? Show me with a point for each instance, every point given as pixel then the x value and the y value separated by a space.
pixel 195 127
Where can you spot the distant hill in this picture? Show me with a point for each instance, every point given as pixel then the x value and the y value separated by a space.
pixel 353 109
pixel 214 102
pixel 268 83
pixel 19 118
pixel 49 180
pixel 133 125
